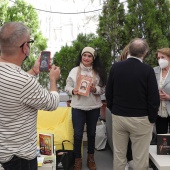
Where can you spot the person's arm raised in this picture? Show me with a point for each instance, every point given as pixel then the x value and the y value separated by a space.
pixel 54 76
pixel 35 69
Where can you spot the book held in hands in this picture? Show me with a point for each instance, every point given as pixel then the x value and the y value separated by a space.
pixel 83 85
pixel 163 144
pixel 46 142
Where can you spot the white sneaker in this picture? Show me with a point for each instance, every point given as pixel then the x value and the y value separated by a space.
pixel 130 165
pixel 127 166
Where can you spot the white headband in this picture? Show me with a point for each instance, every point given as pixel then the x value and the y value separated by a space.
pixel 89 50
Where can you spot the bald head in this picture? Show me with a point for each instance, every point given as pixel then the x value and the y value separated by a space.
pixel 12 35
pixel 138 48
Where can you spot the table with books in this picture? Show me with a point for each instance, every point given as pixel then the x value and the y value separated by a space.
pixel 162 162
pixel 46 162
pixel 52 129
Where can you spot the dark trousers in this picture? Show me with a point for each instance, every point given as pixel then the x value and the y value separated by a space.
pixel 129 151
pixel 79 118
pixel 17 163
pixel 162 124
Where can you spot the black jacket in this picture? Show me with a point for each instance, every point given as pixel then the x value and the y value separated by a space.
pixel 132 90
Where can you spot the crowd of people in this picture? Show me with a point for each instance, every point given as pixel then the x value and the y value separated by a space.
pixel 137 95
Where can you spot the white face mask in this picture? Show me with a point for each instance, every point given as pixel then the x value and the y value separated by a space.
pixel 163 63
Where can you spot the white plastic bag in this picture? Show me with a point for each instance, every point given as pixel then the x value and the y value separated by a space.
pixel 101 136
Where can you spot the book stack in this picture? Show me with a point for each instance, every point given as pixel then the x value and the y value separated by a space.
pixel 163 144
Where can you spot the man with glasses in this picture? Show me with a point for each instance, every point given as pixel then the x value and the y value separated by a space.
pixel 21 96
pixel 35 69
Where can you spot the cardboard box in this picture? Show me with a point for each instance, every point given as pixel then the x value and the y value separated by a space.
pixel 163 144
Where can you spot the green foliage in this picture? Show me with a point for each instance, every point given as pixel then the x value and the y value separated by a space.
pixel 65 59
pixel 44 79
pixel 104 52
pixel 29 62
pixel 3 11
pixel 111 26
pixel 23 12
pixel 148 19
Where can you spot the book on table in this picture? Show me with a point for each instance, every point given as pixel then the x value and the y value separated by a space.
pixel 163 144
pixel 46 142
pixel 46 160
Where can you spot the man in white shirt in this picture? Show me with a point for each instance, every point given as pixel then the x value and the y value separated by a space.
pixel 21 97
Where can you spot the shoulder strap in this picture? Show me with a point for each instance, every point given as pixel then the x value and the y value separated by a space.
pixel 78 73
pixel 63 143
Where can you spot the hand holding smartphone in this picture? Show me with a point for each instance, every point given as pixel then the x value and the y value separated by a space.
pixel 45 61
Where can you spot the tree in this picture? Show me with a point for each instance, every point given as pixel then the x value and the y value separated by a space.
pixel 3 11
pixel 111 26
pixel 21 11
pixel 148 19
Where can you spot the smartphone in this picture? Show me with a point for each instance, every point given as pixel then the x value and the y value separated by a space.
pixel 45 61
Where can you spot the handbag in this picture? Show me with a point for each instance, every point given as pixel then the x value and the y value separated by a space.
pixel 65 158
pixel 101 136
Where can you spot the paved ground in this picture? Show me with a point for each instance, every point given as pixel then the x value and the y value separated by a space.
pixel 103 159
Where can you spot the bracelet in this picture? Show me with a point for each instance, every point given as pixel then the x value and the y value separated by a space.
pixel 34 71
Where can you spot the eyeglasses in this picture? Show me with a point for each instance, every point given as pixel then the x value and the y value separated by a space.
pixel 30 41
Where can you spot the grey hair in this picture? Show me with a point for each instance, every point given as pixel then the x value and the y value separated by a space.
pixel 12 35
pixel 138 47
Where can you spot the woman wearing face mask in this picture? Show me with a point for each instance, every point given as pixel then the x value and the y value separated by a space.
pixel 162 73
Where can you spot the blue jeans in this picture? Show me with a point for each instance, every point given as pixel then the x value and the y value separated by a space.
pixel 79 118
pixel 17 163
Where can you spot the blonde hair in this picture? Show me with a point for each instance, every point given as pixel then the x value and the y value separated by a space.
pixel 124 53
pixel 165 51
